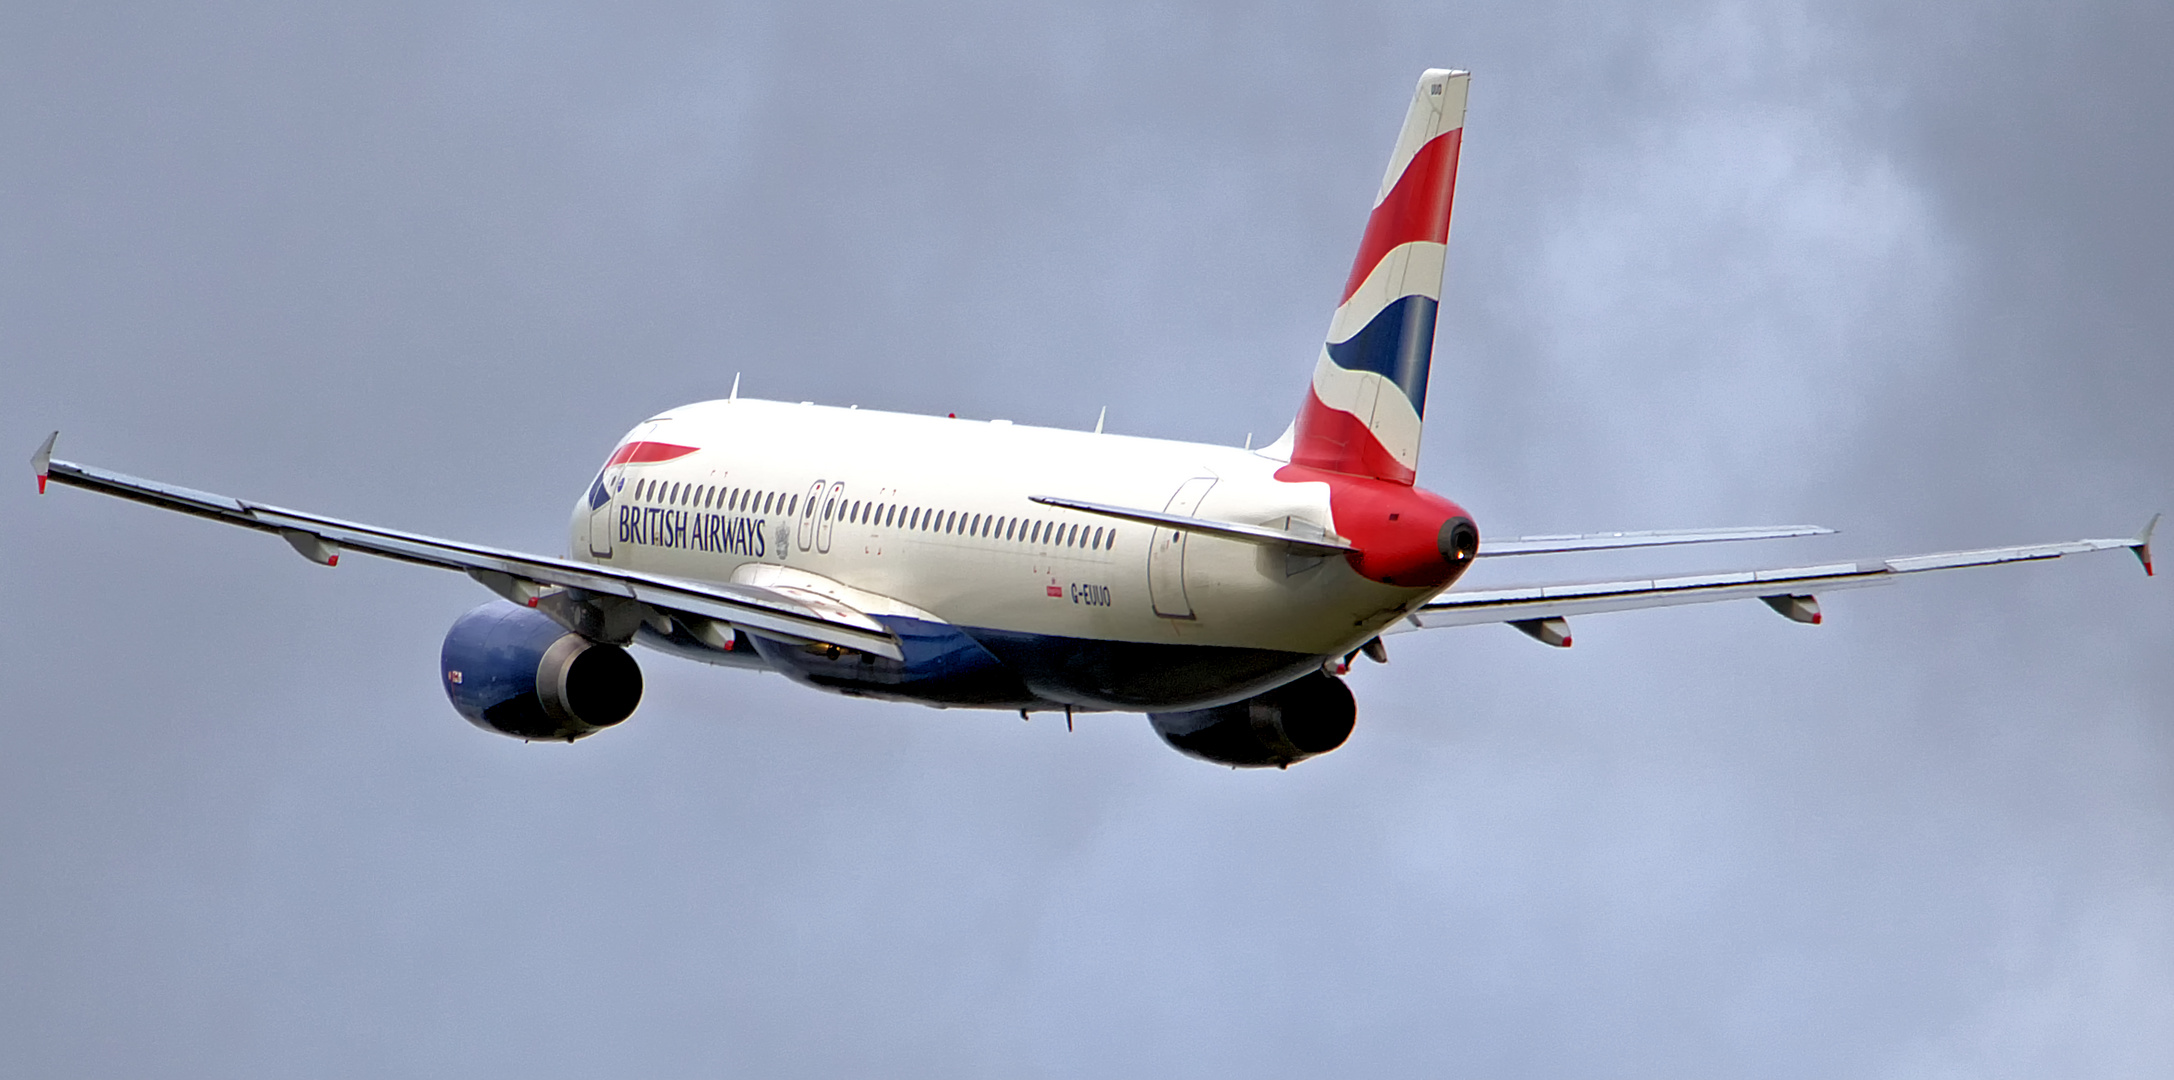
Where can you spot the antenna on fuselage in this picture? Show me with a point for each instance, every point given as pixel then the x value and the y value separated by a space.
pixel 735 395
pixel 1101 416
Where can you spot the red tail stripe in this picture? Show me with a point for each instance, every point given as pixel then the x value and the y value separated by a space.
pixel 1417 207
pixel 1337 441
pixel 638 453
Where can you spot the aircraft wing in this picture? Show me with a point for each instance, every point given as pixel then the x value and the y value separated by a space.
pixel 597 601
pixel 1543 610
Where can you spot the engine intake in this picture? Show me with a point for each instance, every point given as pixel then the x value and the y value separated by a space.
pixel 512 670
pixel 1298 720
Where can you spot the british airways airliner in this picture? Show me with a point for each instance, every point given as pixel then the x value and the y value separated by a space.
pixel 1222 591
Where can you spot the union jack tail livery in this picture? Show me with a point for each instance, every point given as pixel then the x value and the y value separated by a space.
pixel 1362 415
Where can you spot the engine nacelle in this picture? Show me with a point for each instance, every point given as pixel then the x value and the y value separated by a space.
pixel 1298 720
pixel 511 670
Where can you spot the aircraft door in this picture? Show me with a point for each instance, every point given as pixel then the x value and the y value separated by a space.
pixel 833 508
pixel 808 508
pixel 603 510
pixel 1166 556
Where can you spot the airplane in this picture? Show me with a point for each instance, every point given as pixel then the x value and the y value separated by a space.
pixel 958 563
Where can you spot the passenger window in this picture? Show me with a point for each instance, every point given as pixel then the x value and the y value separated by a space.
pixel 1009 527
pixel 951 523
pixel 1097 543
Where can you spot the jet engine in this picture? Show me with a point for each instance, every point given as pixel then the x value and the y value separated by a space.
pixel 1298 720
pixel 512 670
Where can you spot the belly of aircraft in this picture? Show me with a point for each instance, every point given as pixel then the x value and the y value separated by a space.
pixel 983 667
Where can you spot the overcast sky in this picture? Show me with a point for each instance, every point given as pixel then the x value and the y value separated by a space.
pixel 1903 274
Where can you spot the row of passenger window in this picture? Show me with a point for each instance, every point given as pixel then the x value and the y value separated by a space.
pixel 713 497
pixel 886 515
pixel 984 526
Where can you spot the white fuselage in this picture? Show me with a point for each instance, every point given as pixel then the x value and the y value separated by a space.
pixel 931 518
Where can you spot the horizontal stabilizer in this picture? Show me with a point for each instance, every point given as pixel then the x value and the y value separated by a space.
pixel 1298 543
pixel 1556 545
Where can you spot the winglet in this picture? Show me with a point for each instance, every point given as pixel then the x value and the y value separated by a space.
pixel 42 461
pixel 2141 545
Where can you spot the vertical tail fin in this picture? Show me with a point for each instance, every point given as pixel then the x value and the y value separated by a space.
pixel 1362 415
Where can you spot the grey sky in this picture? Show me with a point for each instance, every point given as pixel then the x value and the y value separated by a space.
pixel 1902 274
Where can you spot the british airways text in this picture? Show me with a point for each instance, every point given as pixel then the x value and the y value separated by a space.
pixel 658 526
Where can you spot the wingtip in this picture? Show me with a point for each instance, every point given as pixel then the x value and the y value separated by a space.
pixel 42 462
pixel 2142 544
